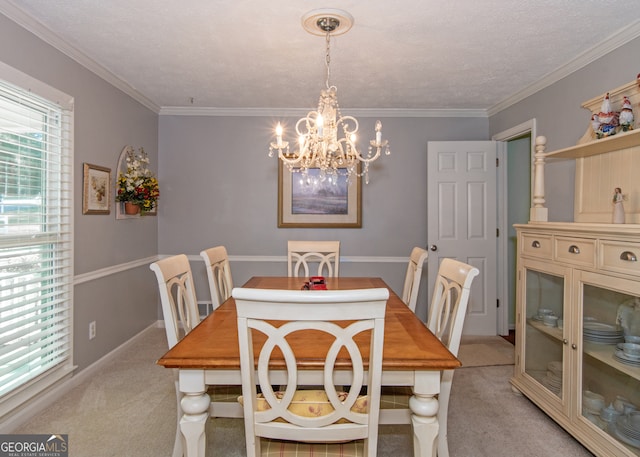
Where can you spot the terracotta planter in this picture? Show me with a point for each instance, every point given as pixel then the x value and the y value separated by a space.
pixel 131 208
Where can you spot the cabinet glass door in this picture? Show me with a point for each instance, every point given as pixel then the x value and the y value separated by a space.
pixel 544 328
pixel 611 367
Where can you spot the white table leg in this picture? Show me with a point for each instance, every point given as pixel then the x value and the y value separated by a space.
pixel 424 414
pixel 195 406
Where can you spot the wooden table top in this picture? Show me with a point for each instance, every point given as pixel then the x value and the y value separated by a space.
pixel 408 344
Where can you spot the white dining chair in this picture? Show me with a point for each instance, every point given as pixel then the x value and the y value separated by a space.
pixel 310 422
pixel 180 312
pixel 301 255
pixel 413 277
pixel 219 276
pixel 445 320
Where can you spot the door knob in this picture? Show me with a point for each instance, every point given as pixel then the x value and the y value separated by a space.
pixel 433 247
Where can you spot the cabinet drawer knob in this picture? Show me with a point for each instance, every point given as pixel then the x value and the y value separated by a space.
pixel 573 249
pixel 535 244
pixel 565 341
pixel 574 346
pixel 628 256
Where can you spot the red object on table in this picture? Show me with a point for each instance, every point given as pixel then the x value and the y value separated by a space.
pixel 315 283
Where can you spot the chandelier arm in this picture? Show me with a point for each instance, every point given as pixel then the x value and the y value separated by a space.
pixel 355 154
pixel 345 120
pixel 292 159
pixel 370 159
pixel 309 122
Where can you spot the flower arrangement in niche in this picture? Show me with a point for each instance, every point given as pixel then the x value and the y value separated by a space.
pixel 138 185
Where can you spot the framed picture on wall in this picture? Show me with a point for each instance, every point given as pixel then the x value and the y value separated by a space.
pixel 310 201
pixel 96 194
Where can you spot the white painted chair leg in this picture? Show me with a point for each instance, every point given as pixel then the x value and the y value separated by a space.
pixel 445 391
pixel 177 445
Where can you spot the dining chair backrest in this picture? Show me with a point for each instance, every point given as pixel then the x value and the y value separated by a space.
pixel 449 302
pixel 361 314
pixel 301 255
pixel 446 320
pixel 177 296
pixel 180 311
pixel 413 277
pixel 219 276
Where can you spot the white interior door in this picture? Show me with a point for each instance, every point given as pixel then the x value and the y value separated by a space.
pixel 462 224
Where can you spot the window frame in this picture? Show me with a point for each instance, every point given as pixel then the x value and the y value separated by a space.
pixel 65 103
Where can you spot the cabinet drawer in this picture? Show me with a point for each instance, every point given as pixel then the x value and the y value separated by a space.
pixel 577 251
pixel 536 245
pixel 620 257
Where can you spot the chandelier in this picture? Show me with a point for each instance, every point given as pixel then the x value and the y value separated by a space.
pixel 327 140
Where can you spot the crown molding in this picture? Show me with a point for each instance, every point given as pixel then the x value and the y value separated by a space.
pixel 613 42
pixel 298 112
pixel 13 12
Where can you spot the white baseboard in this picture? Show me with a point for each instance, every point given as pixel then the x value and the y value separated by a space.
pixel 46 399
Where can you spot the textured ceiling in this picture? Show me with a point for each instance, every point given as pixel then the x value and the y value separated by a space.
pixel 401 54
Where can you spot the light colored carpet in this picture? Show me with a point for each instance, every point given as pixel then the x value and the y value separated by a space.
pixel 483 351
pixel 128 409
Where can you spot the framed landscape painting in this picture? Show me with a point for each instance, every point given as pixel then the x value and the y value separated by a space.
pixel 315 202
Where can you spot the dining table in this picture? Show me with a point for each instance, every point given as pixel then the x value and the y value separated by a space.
pixel 412 356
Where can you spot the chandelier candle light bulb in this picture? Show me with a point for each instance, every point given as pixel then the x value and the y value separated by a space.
pixel 318 133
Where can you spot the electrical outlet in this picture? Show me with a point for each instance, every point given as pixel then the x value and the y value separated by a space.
pixel 92 330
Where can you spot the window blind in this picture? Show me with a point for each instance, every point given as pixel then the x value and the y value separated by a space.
pixel 36 244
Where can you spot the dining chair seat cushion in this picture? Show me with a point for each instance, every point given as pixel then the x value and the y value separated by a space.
pixel 395 397
pixel 280 448
pixel 224 393
pixel 312 403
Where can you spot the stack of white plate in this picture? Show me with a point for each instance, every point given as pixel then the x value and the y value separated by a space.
pixel 553 378
pixel 598 332
pixel 627 429
pixel 628 353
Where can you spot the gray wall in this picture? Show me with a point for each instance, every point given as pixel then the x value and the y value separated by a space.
pixel 562 120
pixel 220 187
pixel 210 195
pixel 106 120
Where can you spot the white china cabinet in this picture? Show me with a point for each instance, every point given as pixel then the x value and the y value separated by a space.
pixel 578 294
pixel 582 274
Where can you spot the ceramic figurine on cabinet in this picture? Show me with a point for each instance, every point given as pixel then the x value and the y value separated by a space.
pixel 595 124
pixel 626 115
pixel 618 208
pixel 608 119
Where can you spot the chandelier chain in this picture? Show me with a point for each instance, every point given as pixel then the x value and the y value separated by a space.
pixel 327 58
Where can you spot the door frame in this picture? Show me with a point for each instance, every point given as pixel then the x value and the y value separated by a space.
pixel 525 128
